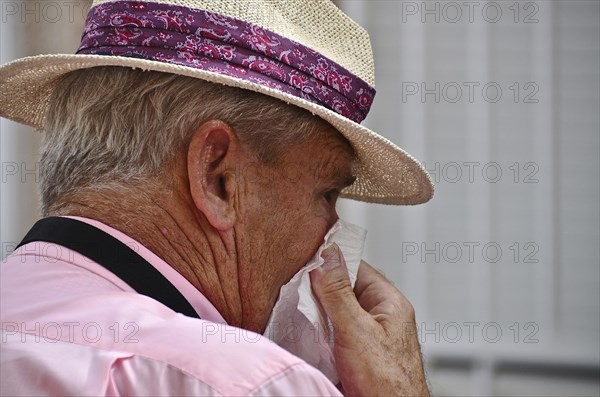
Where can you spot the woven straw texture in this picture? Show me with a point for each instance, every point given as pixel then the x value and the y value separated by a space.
pixel 317 24
pixel 385 173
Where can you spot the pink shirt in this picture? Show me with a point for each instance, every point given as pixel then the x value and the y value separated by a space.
pixel 71 327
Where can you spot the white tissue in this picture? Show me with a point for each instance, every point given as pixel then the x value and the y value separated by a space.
pixel 298 323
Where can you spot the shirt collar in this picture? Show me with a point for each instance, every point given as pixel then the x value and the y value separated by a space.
pixel 197 300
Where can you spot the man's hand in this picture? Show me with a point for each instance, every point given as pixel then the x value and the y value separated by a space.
pixel 376 348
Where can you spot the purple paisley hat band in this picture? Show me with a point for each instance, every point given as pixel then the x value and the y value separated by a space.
pixel 225 45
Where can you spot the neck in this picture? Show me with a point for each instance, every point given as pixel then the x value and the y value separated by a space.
pixel 168 225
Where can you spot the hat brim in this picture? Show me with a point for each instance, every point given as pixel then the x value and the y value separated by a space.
pixel 385 173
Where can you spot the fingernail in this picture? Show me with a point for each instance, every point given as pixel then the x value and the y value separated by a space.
pixel 331 256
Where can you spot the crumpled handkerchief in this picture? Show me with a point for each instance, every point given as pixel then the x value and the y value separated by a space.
pixel 298 323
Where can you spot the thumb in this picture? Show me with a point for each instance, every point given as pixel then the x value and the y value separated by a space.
pixel 331 284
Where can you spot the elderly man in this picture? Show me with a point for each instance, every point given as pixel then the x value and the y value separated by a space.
pixel 193 155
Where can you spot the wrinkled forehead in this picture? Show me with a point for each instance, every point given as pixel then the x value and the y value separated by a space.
pixel 325 156
pixel 343 144
pixel 338 156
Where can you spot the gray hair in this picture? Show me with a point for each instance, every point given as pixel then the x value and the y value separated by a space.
pixel 108 127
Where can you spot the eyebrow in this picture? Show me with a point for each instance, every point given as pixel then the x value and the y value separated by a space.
pixel 347 180
pixel 342 179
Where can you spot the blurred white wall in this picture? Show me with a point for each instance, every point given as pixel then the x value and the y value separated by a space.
pixel 500 100
pixel 29 27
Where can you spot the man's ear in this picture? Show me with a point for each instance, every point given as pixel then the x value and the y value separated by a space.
pixel 211 160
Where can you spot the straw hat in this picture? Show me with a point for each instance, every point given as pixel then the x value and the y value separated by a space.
pixel 306 53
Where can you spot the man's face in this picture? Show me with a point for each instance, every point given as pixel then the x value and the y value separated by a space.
pixel 286 209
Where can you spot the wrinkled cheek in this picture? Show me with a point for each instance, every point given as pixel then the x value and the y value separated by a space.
pixel 281 254
pixel 293 253
pixel 314 229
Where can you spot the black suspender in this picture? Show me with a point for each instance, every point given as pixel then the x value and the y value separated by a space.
pixel 113 255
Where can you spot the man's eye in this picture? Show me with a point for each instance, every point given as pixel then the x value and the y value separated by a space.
pixel 331 195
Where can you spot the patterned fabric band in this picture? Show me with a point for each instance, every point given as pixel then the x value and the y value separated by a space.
pixel 225 45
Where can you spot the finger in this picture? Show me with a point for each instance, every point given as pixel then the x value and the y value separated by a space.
pixel 331 285
pixel 369 278
pixel 377 295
